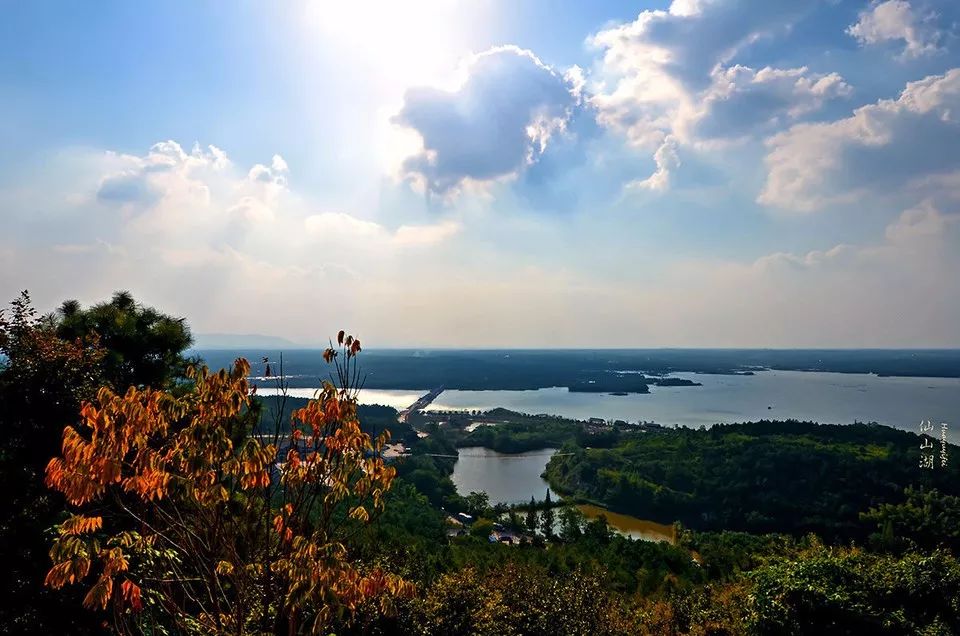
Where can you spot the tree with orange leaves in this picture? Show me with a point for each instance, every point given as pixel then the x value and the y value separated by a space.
pixel 192 519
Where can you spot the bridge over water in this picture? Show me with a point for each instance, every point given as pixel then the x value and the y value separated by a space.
pixel 423 402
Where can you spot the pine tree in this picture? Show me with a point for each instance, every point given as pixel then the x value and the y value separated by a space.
pixel 570 520
pixel 514 521
pixel 532 516
pixel 547 517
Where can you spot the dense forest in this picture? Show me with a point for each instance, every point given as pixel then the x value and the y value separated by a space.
pixel 146 494
pixel 789 476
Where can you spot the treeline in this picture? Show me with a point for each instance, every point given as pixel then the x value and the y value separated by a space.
pixel 507 431
pixel 524 435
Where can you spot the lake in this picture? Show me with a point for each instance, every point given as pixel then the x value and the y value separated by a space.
pixel 513 479
pixel 506 478
pixel 631 526
pixel 818 396
pixel 900 402
pixel 398 399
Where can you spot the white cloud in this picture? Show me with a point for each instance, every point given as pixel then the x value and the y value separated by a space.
pixel 168 187
pixel 250 209
pixel 306 275
pixel 684 44
pixel 667 160
pixel 275 174
pixel 199 203
pixel 425 234
pixel 877 150
pixel 813 258
pixel 671 82
pixel 893 21
pixel 742 100
pixel 166 170
pixel 203 257
pixel 260 194
pixel 921 223
pixel 337 226
pixel 341 228
pixel 686 7
pixel 499 120
pixel 674 73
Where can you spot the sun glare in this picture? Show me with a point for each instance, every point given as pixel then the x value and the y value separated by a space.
pixel 393 46
pixel 398 43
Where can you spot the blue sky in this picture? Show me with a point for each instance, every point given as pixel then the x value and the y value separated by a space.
pixel 770 173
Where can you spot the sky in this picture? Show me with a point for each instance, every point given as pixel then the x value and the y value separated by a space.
pixel 492 173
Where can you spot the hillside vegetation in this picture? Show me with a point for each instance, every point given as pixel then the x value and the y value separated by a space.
pixel 793 477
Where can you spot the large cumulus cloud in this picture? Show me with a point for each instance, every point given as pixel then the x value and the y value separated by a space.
pixel 897 21
pixel 500 119
pixel 146 179
pixel 880 149
pixel 684 44
pixel 677 74
pixel 741 100
pixel 169 185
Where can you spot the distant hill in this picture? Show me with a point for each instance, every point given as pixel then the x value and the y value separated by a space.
pixel 241 341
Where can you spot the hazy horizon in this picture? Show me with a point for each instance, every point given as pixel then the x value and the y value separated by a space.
pixel 294 346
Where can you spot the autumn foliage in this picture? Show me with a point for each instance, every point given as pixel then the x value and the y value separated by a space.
pixel 188 514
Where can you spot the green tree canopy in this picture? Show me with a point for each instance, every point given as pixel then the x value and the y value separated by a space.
pixel 547 517
pixel 852 592
pixel 927 518
pixel 48 367
pixel 144 346
pixel 531 520
pixel 571 523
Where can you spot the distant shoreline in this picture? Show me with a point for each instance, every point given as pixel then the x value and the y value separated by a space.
pixel 601 370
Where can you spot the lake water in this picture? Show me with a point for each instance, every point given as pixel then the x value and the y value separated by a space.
pixel 822 397
pixel 631 526
pixel 505 478
pixel 513 479
pixel 398 399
